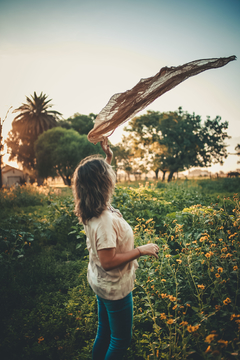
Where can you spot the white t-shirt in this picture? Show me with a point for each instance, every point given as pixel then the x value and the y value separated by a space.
pixel 110 230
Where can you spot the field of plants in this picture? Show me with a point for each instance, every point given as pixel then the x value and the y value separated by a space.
pixel 186 303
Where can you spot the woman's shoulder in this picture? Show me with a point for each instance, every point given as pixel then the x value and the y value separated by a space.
pixel 105 217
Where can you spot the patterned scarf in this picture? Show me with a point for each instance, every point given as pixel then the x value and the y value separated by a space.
pixel 124 106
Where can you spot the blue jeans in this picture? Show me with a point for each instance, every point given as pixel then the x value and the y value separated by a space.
pixel 115 318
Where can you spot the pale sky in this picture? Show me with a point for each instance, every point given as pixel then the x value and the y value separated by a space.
pixel 80 53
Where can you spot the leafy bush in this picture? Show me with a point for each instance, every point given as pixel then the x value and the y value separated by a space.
pixel 186 304
pixel 25 195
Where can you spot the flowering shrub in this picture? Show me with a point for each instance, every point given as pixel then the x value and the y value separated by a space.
pixel 190 297
pixel 186 303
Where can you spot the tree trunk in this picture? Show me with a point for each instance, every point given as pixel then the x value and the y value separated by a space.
pixel 163 175
pixel 156 173
pixel 0 171
pixel 64 180
pixel 170 175
pixel 40 181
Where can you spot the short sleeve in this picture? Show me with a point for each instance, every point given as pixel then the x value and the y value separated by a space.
pixel 106 236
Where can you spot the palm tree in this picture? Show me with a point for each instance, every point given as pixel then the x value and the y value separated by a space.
pixel 33 119
pixel 35 116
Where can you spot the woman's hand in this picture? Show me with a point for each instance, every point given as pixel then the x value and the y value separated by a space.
pixel 149 249
pixel 107 150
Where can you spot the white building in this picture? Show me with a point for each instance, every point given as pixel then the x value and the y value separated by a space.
pixel 12 176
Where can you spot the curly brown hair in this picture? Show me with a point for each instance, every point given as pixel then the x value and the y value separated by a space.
pixel 93 186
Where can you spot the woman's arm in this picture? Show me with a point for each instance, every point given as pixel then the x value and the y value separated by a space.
pixel 110 260
pixel 107 150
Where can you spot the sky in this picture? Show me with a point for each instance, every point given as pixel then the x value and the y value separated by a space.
pixel 81 52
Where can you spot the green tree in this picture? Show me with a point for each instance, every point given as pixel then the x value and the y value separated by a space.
pixel 237 148
pixel 175 141
pixel 35 116
pixel 81 123
pixel 123 156
pixel 58 152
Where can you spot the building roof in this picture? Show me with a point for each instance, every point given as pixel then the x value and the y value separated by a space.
pixel 7 168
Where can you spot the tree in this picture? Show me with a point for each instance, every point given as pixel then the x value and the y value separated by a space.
pixel 58 152
pixel 33 119
pixel 81 123
pixel 123 157
pixel 237 148
pixel 1 144
pixel 176 141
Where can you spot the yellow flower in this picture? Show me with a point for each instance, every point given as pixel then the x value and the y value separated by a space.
pixel 208 349
pixel 163 316
pixel 191 328
pixel 220 269
pixel 149 220
pixel 217 307
pixel 170 321
pixel 174 307
pixel 232 235
pixel 163 295
pixel 40 339
pixel 233 316
pixel 201 287
pixel 235 268
pixel 217 275
pixel 227 301
pixel 223 342
pixel 179 261
pixel 163 280
pixel 168 256
pixel 203 238
pixel 172 298
pixel 184 323
pixel 220 240
pixel 210 338
pixel 194 242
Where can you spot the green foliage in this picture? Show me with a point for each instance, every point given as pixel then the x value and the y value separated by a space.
pixel 21 196
pixel 80 123
pixel 33 119
pixel 176 141
pixel 58 152
pixel 186 303
pixel 222 185
pixel 141 203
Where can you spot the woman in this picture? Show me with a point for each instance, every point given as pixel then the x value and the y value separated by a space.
pixel 112 256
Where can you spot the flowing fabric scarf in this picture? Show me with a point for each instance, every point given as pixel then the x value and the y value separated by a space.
pixel 124 106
